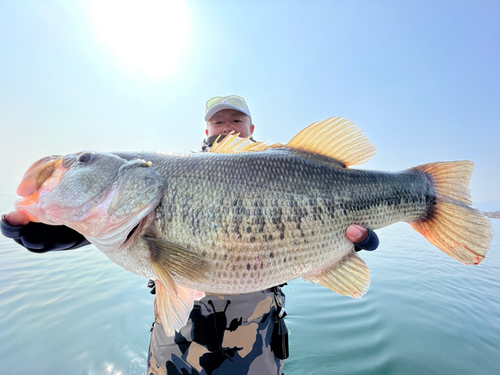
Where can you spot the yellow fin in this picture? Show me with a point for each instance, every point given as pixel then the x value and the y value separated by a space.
pixel 455 227
pixel 337 138
pixel 350 276
pixel 165 277
pixel 170 259
pixel 232 144
pixel 174 310
pixel 451 178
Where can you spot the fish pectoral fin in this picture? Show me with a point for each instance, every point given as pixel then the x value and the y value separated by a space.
pixel 168 259
pixel 166 278
pixel 350 276
pixel 172 310
pixel 337 138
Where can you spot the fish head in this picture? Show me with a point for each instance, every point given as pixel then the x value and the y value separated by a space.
pixel 100 195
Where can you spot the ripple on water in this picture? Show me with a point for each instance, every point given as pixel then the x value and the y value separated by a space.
pixel 335 330
pixel 68 305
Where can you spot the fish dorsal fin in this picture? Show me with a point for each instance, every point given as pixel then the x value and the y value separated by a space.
pixel 233 144
pixel 337 138
pixel 350 276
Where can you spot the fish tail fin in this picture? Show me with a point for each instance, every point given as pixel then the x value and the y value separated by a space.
pixel 455 227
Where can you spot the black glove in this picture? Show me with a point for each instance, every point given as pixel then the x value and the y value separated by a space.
pixel 369 243
pixel 40 238
pixel 152 285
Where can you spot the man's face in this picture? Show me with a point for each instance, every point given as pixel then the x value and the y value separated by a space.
pixel 228 120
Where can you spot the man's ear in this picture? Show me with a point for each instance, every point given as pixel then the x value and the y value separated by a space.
pixel 252 128
pixel 206 132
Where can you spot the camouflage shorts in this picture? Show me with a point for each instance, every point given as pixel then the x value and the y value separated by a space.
pixel 224 335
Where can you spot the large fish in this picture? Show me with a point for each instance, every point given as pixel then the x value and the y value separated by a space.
pixel 245 218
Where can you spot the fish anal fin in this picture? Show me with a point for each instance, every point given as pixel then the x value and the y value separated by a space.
pixel 174 311
pixel 350 276
pixel 169 259
pixel 337 138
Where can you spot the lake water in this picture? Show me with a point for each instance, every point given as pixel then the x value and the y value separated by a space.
pixel 77 312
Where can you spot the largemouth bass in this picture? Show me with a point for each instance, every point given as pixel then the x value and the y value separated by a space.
pixel 245 218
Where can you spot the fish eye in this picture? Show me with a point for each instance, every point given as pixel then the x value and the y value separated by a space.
pixel 85 157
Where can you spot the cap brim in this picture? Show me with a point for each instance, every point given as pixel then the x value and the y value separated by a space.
pixel 221 106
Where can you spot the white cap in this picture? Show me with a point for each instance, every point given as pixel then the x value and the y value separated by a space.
pixel 226 102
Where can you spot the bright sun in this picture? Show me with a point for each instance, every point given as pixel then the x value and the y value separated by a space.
pixel 146 35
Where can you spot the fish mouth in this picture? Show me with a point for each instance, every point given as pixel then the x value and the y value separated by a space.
pixel 40 179
pixel 38 173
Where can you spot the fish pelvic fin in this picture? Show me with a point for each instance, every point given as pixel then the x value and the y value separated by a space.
pixel 337 138
pixel 350 276
pixel 452 225
pixel 172 310
pixel 168 259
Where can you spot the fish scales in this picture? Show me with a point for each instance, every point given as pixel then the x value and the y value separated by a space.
pixel 269 217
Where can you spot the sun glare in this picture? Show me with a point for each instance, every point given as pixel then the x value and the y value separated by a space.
pixel 147 35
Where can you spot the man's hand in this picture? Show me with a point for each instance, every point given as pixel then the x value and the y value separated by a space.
pixel 39 237
pixel 356 233
pixel 363 239
pixel 17 218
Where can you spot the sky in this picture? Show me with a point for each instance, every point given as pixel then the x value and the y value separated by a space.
pixel 422 78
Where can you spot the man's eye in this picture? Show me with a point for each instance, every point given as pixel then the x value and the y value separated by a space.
pixel 236 120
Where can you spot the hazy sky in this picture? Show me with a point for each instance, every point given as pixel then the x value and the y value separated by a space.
pixel 421 78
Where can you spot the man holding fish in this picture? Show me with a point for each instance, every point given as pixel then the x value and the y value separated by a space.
pixel 225 334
